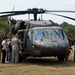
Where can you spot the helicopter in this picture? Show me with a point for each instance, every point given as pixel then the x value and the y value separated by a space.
pixel 40 37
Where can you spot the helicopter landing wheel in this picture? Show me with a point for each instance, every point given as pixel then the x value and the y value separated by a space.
pixel 60 58
pixel 22 57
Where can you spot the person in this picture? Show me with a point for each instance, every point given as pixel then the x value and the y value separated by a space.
pixel 74 49
pixel 1 39
pixel 71 43
pixel 15 48
pixel 4 49
pixel 9 51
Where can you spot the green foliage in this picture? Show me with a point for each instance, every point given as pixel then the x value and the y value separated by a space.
pixel 56 24
pixel 5 27
pixel 69 29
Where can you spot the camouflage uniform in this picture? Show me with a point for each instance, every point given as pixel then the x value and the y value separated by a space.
pixel 15 49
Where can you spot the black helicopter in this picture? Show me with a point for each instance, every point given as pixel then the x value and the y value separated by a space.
pixel 40 37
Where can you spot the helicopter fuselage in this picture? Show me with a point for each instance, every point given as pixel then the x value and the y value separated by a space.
pixel 42 45
pixel 42 39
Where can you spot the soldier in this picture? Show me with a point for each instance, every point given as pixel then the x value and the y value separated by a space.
pixel 15 48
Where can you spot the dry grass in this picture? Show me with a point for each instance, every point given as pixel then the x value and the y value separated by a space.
pixel 37 66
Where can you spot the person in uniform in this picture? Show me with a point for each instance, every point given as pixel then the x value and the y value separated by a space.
pixel 15 48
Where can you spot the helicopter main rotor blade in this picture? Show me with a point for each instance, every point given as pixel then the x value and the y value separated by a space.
pixel 8 15
pixel 13 14
pixel 28 11
pixel 62 11
pixel 36 10
pixel 16 12
pixel 63 16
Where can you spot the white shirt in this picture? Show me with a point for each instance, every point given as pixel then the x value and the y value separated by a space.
pixel 4 42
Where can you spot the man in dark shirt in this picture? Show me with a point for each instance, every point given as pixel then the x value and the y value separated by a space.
pixel 9 51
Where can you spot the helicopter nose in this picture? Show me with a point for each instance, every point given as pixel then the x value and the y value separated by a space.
pixel 55 44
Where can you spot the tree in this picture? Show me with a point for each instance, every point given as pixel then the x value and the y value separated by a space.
pixel 5 27
pixel 69 29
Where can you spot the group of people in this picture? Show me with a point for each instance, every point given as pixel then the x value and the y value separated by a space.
pixel 10 49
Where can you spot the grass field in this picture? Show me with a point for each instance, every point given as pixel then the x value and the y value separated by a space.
pixel 39 66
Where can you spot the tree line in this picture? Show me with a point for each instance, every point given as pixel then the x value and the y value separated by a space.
pixel 69 29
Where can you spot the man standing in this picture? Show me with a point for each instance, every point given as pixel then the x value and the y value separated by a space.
pixel 15 48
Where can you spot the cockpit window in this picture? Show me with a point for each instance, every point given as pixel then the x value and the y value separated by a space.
pixel 47 33
pixel 40 34
pixel 59 33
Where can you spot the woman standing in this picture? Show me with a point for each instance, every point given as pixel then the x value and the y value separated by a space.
pixel 4 49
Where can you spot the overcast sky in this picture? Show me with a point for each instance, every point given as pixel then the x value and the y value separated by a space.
pixel 7 5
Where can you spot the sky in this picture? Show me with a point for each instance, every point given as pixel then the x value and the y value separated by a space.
pixel 7 5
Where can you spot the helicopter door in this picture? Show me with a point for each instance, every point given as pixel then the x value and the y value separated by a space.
pixel 28 41
pixel 21 35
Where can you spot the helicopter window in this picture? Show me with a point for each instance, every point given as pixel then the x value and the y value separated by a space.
pixel 40 34
pixel 47 33
pixel 51 33
pixel 59 33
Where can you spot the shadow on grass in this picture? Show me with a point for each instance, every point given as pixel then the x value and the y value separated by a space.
pixel 48 62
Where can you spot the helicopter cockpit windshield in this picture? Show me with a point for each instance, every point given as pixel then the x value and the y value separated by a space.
pixel 47 33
